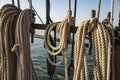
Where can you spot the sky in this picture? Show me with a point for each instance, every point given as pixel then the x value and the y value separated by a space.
pixel 59 9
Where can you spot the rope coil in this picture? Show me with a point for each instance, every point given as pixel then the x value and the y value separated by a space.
pixel 64 33
pixel 101 41
pixel 8 15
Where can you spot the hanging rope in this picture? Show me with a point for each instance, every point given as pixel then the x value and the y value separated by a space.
pixel 69 10
pixel 112 11
pixel 71 67
pixel 8 18
pixel 61 48
pixel 99 6
pixel 24 71
pixel 36 13
pixel 101 42
pixel 50 68
pixel 63 29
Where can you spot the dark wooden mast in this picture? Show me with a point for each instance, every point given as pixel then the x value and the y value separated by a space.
pixel 117 53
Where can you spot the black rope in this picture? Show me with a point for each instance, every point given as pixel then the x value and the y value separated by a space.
pixel 71 67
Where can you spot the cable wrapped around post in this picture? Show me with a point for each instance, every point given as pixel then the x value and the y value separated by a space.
pixel 101 43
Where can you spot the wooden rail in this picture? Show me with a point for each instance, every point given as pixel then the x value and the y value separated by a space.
pixel 43 27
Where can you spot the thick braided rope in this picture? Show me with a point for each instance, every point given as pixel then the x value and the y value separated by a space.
pixel 101 48
pixel 63 29
pixel 69 10
pixel 48 45
pixel 24 71
pixel 80 58
pixel 95 56
pixel 112 11
pixel 62 47
pixel 8 15
pixel 99 6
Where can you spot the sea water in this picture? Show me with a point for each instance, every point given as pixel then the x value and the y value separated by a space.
pixel 38 55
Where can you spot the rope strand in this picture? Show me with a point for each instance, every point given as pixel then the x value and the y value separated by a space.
pixel 112 11
pixel 99 6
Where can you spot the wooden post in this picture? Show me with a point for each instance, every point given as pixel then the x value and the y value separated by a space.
pixel 117 52
pixel 117 61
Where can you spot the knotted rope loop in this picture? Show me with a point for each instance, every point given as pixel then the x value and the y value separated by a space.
pixel 15 48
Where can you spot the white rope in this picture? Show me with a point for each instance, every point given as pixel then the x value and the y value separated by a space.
pixel 101 41
pixel 99 6
pixel 112 11
pixel 63 30
pixel 62 47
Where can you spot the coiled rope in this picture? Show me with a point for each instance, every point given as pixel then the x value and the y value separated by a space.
pixel 8 17
pixel 101 42
pixel 62 47
pixel 63 29
pixel 22 46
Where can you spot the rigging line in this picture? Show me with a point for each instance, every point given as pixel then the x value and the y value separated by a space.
pixel 69 10
pixel 99 6
pixel 36 13
pixel 112 11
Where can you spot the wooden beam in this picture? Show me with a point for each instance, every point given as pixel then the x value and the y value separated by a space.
pixel 117 61
pixel 43 27
pixel 58 40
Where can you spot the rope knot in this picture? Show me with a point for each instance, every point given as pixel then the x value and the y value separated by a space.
pixel 92 24
pixel 15 48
